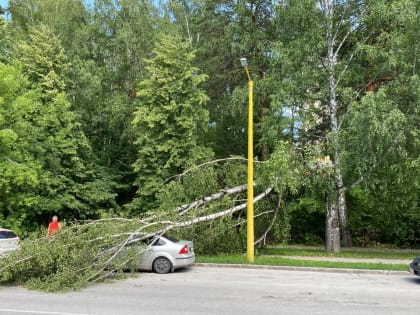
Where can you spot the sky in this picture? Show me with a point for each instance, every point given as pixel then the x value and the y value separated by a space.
pixel 3 4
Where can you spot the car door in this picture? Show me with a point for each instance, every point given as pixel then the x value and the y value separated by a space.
pixel 149 254
pixel 8 241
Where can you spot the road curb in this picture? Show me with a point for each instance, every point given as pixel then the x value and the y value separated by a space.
pixel 311 269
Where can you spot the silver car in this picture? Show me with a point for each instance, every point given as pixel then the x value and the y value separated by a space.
pixel 165 254
pixel 9 241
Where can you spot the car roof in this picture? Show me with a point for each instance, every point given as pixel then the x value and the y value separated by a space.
pixel 7 230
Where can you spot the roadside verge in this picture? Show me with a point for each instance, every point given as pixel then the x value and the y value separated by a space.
pixel 311 269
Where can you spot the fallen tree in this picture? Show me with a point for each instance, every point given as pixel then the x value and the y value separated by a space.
pixel 84 252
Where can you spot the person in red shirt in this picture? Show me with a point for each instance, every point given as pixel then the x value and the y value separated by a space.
pixel 54 226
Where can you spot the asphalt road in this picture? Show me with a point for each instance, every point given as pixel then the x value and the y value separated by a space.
pixel 207 290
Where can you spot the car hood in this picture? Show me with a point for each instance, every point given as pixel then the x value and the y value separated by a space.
pixel 417 259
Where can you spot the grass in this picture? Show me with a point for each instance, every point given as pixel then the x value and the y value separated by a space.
pixel 274 257
pixel 279 261
pixel 345 252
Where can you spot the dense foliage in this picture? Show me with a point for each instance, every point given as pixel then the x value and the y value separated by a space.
pixel 102 115
pixel 78 254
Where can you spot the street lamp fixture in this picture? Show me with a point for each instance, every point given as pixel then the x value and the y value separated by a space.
pixel 250 185
pixel 244 62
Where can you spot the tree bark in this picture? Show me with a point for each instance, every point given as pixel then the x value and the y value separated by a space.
pixel 343 215
pixel 219 195
pixel 221 213
pixel 332 226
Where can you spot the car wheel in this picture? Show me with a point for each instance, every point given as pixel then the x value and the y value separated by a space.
pixel 162 265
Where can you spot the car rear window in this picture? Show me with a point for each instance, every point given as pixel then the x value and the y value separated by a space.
pixel 158 242
pixel 172 239
pixel 7 234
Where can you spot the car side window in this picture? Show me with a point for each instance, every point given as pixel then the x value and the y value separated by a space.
pixel 158 242
pixel 7 234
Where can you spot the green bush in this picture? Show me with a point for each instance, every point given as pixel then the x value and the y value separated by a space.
pixel 75 256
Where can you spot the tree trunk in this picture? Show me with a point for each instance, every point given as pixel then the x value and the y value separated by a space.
pixel 343 214
pixel 331 63
pixel 332 226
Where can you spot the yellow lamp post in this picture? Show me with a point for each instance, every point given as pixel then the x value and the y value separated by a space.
pixel 250 189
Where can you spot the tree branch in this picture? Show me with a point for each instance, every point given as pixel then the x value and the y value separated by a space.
pixel 238 158
pixel 224 192
pixel 205 218
pixel 264 235
pixel 222 213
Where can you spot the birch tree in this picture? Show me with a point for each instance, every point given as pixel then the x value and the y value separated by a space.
pixel 331 60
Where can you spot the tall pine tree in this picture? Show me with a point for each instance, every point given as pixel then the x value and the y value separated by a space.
pixel 170 117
